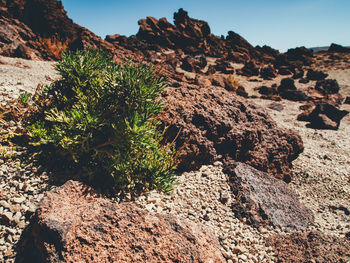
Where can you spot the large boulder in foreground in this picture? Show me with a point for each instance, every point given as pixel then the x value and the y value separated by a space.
pixel 211 123
pixel 264 200
pixel 75 224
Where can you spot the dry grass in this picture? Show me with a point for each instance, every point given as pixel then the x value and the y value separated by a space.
pixel 55 45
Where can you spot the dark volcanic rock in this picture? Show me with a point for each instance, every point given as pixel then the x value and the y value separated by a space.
pixel 338 48
pixel 327 86
pixel 316 75
pixel 312 246
pixel 298 73
pixel 74 224
pixel 193 37
pixel 268 72
pixel 300 54
pixel 194 64
pixel 262 199
pixel 288 91
pixel 323 116
pixel 213 123
pixel 347 100
pixel 249 69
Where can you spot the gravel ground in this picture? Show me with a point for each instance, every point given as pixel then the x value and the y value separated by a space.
pixel 322 171
pixel 321 177
pixel 204 197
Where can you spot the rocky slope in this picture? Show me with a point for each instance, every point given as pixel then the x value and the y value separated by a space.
pixel 215 87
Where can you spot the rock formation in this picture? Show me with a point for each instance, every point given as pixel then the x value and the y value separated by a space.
pixel 75 224
pixel 261 199
pixel 41 29
pixel 322 116
pixel 193 37
pixel 213 123
pixel 311 246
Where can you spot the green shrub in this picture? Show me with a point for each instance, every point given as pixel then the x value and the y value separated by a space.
pixel 24 97
pixel 102 122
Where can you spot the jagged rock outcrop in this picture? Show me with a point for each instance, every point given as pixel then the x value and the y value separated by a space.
pixel 75 224
pixel 193 37
pixel 41 29
pixel 338 48
pixel 322 116
pixel 264 200
pixel 213 123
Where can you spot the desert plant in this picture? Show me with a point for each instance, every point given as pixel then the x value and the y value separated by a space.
pixel 24 97
pixel 232 83
pixel 102 121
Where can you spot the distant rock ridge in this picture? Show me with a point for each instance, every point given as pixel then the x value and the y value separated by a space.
pixel 193 37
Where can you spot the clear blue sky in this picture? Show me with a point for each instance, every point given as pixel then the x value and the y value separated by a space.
pixel 281 24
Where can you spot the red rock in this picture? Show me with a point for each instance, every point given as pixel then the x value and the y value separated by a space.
pixel 264 200
pixel 312 246
pixel 213 123
pixel 44 30
pixel 75 224
pixel 323 116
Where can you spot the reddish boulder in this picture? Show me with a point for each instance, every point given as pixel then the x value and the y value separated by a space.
pixel 264 200
pixel 287 90
pixel 322 116
pixel 41 29
pixel 75 224
pixel 312 246
pixel 194 64
pixel 211 123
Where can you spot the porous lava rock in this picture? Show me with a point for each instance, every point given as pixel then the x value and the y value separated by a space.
pixel 264 200
pixel 322 116
pixel 75 224
pixel 316 74
pixel 338 48
pixel 287 90
pixel 268 72
pixel 311 246
pixel 211 123
pixel 41 29
pixel 249 69
pixel 327 86
pixel 193 37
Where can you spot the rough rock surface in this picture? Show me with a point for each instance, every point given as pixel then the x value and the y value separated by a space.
pixel 75 224
pixel 193 37
pixel 338 48
pixel 262 199
pixel 41 29
pixel 213 123
pixel 310 246
pixel 322 116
